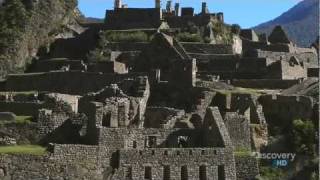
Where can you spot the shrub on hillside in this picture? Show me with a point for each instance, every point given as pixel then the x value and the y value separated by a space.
pixel 188 37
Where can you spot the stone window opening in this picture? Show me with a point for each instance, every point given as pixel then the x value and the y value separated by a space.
pixel 178 153
pixel 166 173
pixel 190 152
pixel 166 152
pixel 134 144
pixel 221 174
pixel 203 152
pixel 151 142
pixel 184 173
pixel 106 120
pixel 152 152
pixel 203 172
pixel 147 173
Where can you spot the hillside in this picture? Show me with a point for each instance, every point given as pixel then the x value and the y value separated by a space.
pixel 300 22
pixel 27 27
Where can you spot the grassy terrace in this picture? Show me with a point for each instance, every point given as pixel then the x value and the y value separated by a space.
pixel 19 120
pixel 23 149
pixel 242 152
pixel 20 92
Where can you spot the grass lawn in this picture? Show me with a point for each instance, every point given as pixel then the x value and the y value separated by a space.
pixel 19 120
pixel 23 149
pixel 23 119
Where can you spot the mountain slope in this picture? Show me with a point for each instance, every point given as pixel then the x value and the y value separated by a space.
pixel 301 23
pixel 28 26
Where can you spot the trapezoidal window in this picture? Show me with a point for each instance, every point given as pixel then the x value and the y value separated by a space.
pixel 147 173
pixel 203 172
pixel 106 120
pixel 166 173
pixel 184 173
pixel 151 142
pixel 221 174
pixel 134 144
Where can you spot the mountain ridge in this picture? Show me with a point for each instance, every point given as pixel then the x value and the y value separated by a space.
pixel 300 22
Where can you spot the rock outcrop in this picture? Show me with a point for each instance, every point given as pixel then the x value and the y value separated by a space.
pixel 28 27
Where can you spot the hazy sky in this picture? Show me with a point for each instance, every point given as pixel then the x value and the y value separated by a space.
pixel 246 13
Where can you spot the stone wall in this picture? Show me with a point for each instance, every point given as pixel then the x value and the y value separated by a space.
pixel 249 45
pixel 208 48
pixel 292 71
pixel 264 83
pixel 73 82
pixel 56 64
pixel 215 163
pixel 133 18
pixel 49 121
pixel 128 46
pixel 22 133
pixel 184 21
pixel 108 67
pixel 122 138
pixel 239 130
pixel 21 108
pixel 71 100
pixel 285 109
pixel 252 67
pixel 162 117
pixel 29 167
pixel 247 167
pixel 307 57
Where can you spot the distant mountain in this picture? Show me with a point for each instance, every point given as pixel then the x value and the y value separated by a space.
pixel 94 20
pixel 301 23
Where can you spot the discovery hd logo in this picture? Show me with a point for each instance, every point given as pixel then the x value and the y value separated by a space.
pixel 277 159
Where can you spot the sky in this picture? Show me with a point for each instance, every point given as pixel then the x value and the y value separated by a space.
pixel 246 13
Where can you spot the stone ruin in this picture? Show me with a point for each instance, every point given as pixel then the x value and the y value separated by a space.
pixel 162 109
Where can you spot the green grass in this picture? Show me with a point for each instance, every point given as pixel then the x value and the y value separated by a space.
pixel 188 37
pixel 19 120
pixel 242 152
pixel 23 149
pixel 23 119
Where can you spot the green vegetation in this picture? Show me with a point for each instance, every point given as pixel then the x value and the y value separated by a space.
pixel 235 29
pixel 24 119
pixel 98 55
pixel 303 136
pixel 20 120
pixel 242 152
pixel 23 149
pixel 223 33
pixel 269 173
pixel 188 37
pixel 13 17
pixel 126 36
